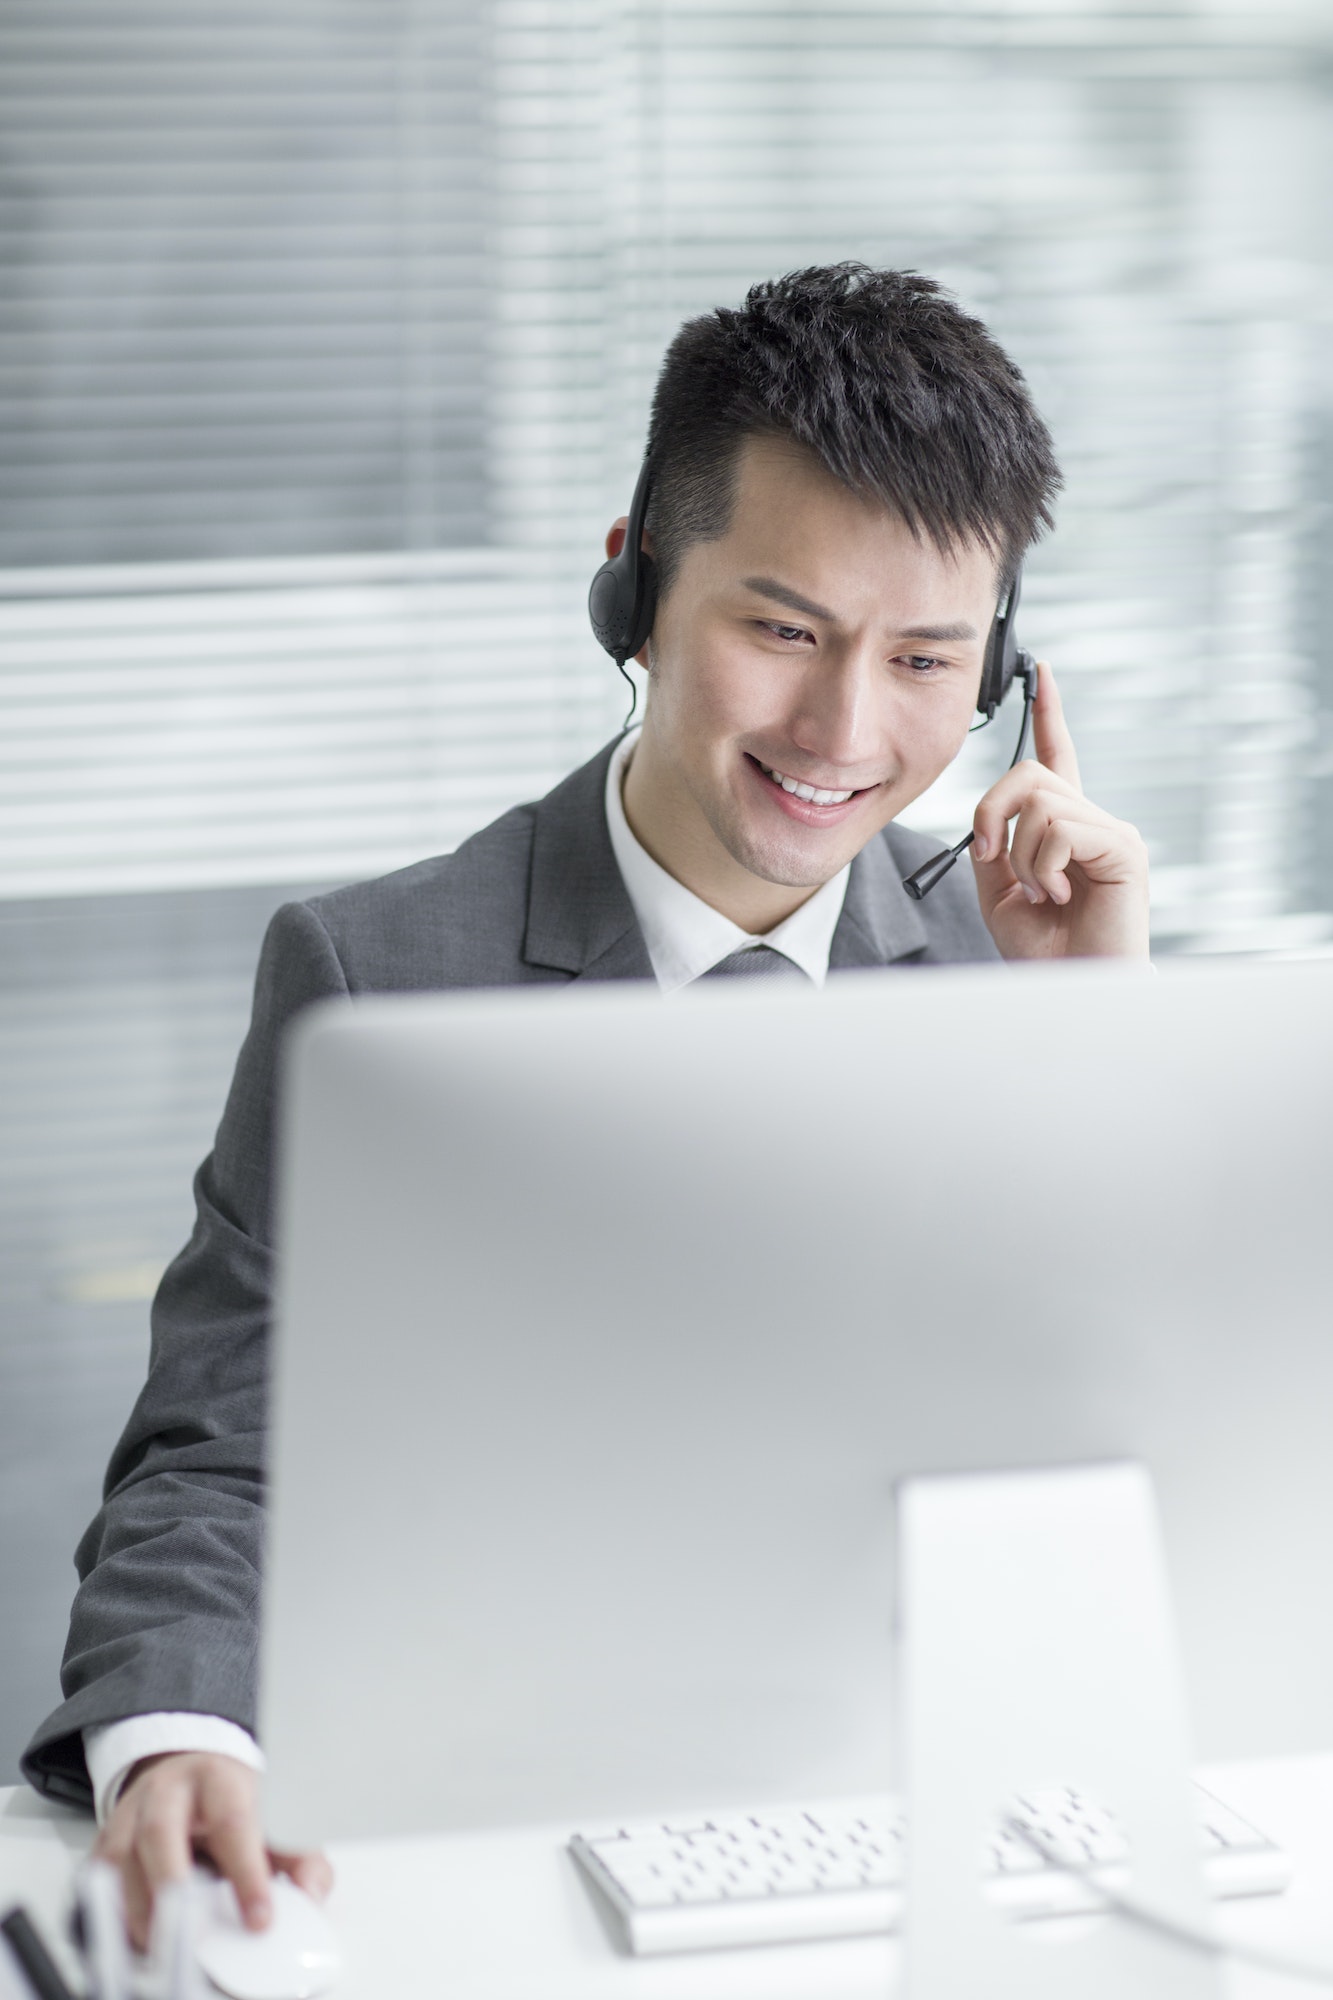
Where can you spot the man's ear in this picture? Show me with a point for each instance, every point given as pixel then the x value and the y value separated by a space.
pixel 615 538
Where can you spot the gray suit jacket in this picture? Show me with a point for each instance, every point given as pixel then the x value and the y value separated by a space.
pixel 167 1610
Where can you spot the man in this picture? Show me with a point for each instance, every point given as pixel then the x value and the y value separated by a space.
pixel 845 475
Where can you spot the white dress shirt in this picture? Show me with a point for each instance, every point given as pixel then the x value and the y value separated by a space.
pixel 685 938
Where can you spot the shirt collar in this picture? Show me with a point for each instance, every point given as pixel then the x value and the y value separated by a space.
pixel 684 936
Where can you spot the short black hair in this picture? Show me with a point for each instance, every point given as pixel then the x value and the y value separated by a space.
pixel 902 395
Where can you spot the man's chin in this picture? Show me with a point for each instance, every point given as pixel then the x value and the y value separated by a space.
pixel 786 868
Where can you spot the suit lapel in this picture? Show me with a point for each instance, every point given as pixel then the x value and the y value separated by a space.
pixel 879 923
pixel 580 918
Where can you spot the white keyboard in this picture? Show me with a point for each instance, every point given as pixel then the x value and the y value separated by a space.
pixel 837 1870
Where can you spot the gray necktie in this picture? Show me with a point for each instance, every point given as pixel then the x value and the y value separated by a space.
pixel 753 961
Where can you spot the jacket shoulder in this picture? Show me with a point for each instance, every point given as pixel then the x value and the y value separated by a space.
pixel 455 920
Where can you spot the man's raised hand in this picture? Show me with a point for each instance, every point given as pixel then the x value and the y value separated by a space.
pixel 1071 882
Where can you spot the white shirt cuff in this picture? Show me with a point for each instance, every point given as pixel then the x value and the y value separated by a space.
pixel 113 1750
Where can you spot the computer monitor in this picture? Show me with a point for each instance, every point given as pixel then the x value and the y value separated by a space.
pixel 607 1325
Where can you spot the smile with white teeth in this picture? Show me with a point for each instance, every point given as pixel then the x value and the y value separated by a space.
pixel 811 793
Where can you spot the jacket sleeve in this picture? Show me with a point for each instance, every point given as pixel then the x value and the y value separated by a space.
pixel 166 1613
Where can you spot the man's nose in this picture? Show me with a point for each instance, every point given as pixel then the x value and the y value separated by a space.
pixel 836 720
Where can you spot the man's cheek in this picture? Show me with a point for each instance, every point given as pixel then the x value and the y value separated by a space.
pixel 935 752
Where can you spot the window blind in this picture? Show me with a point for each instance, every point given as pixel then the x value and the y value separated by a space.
pixel 246 309
pixel 472 231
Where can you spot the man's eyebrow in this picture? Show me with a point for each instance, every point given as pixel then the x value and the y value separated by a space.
pixel 765 586
pixel 932 635
pixel 940 635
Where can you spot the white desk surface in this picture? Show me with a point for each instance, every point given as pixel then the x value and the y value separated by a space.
pixel 505 1916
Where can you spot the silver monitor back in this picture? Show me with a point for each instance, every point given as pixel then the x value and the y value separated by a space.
pixel 606 1326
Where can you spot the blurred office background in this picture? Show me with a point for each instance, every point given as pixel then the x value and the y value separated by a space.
pixel 327 331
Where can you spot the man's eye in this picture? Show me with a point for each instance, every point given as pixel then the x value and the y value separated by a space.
pixel 921 663
pixel 793 634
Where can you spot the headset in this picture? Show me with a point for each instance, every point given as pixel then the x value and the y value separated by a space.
pixel 622 602
pixel 622 599
pixel 1006 662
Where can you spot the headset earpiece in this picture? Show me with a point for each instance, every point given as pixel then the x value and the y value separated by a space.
pixel 997 676
pixel 622 599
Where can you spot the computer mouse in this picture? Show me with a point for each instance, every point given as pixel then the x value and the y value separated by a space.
pixel 294 1959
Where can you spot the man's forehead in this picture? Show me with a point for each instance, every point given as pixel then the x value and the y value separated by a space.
pixel 783 492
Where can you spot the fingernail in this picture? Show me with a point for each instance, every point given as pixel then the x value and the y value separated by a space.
pixel 1033 895
pixel 982 846
pixel 259 1910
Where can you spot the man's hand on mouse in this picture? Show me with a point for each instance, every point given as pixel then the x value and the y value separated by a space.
pixel 187 1804
pixel 1072 882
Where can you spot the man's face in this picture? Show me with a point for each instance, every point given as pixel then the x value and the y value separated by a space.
pixel 817 642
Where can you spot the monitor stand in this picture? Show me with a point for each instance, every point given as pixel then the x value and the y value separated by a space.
pixel 1037 1649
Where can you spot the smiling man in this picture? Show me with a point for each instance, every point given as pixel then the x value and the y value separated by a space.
pixel 845 475
pixel 813 670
